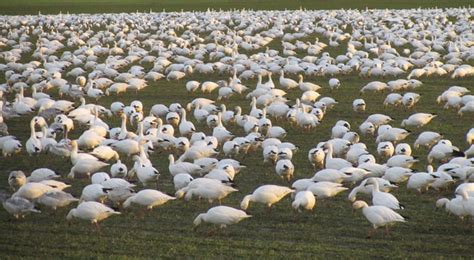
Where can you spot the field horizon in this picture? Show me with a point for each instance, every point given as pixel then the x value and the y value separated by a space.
pixel 28 7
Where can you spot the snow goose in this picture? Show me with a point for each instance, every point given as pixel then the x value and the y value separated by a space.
pixel 192 85
pixel 118 169
pixel 316 157
pixel 374 86
pixel 221 215
pixel 33 145
pixel 146 173
pixel 427 139
pixel 32 191
pixel 182 167
pixel 186 128
pixel 105 153
pixel 404 161
pixel 334 163
pixel 470 136
pixel 418 120
pixel 41 174
pixel 18 206
pixel 56 199
pixel 266 194
pixel 324 189
pixel 334 83
pixel 287 83
pixel 442 151
pixel 305 200
pixel 220 132
pixel 397 174
pixel 91 211
pixel 285 169
pixel 94 192
pixel 358 105
pixel 16 179
pixel 421 181
pixel 181 180
pixel 467 202
pixel 205 188
pixel 148 198
pixel 380 198
pixel 329 175
pixel 403 149
pixel 378 216
pixel 305 86
pixel 453 206
pixel 86 167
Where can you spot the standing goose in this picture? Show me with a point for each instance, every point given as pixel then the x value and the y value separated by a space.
pixel 334 163
pixel 266 194
pixel 378 216
pixel 287 83
pixel 221 215
pixel 380 198
pixel 182 167
pixel 305 86
pixel 186 128
pixel 33 145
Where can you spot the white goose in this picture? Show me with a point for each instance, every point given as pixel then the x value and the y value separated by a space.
pixel 287 83
pixel 380 198
pixel 222 216
pixel 266 194
pixel 334 163
pixel 33 145
pixel 91 211
pixel 182 167
pixel 186 128
pixel 18 206
pixel 148 198
pixel 205 188
pixel 378 216
pixel 305 200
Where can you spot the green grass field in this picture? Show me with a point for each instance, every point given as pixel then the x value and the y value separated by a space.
pixel 332 230
pixel 111 6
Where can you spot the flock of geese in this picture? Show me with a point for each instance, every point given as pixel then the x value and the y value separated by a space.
pixel 54 64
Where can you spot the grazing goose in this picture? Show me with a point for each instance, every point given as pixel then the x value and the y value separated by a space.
pixel 378 216
pixel 324 189
pixel 305 200
pixel 56 199
pixel 222 216
pixel 91 211
pixel 18 206
pixel 418 120
pixel 148 198
pixel 205 188
pixel 266 194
